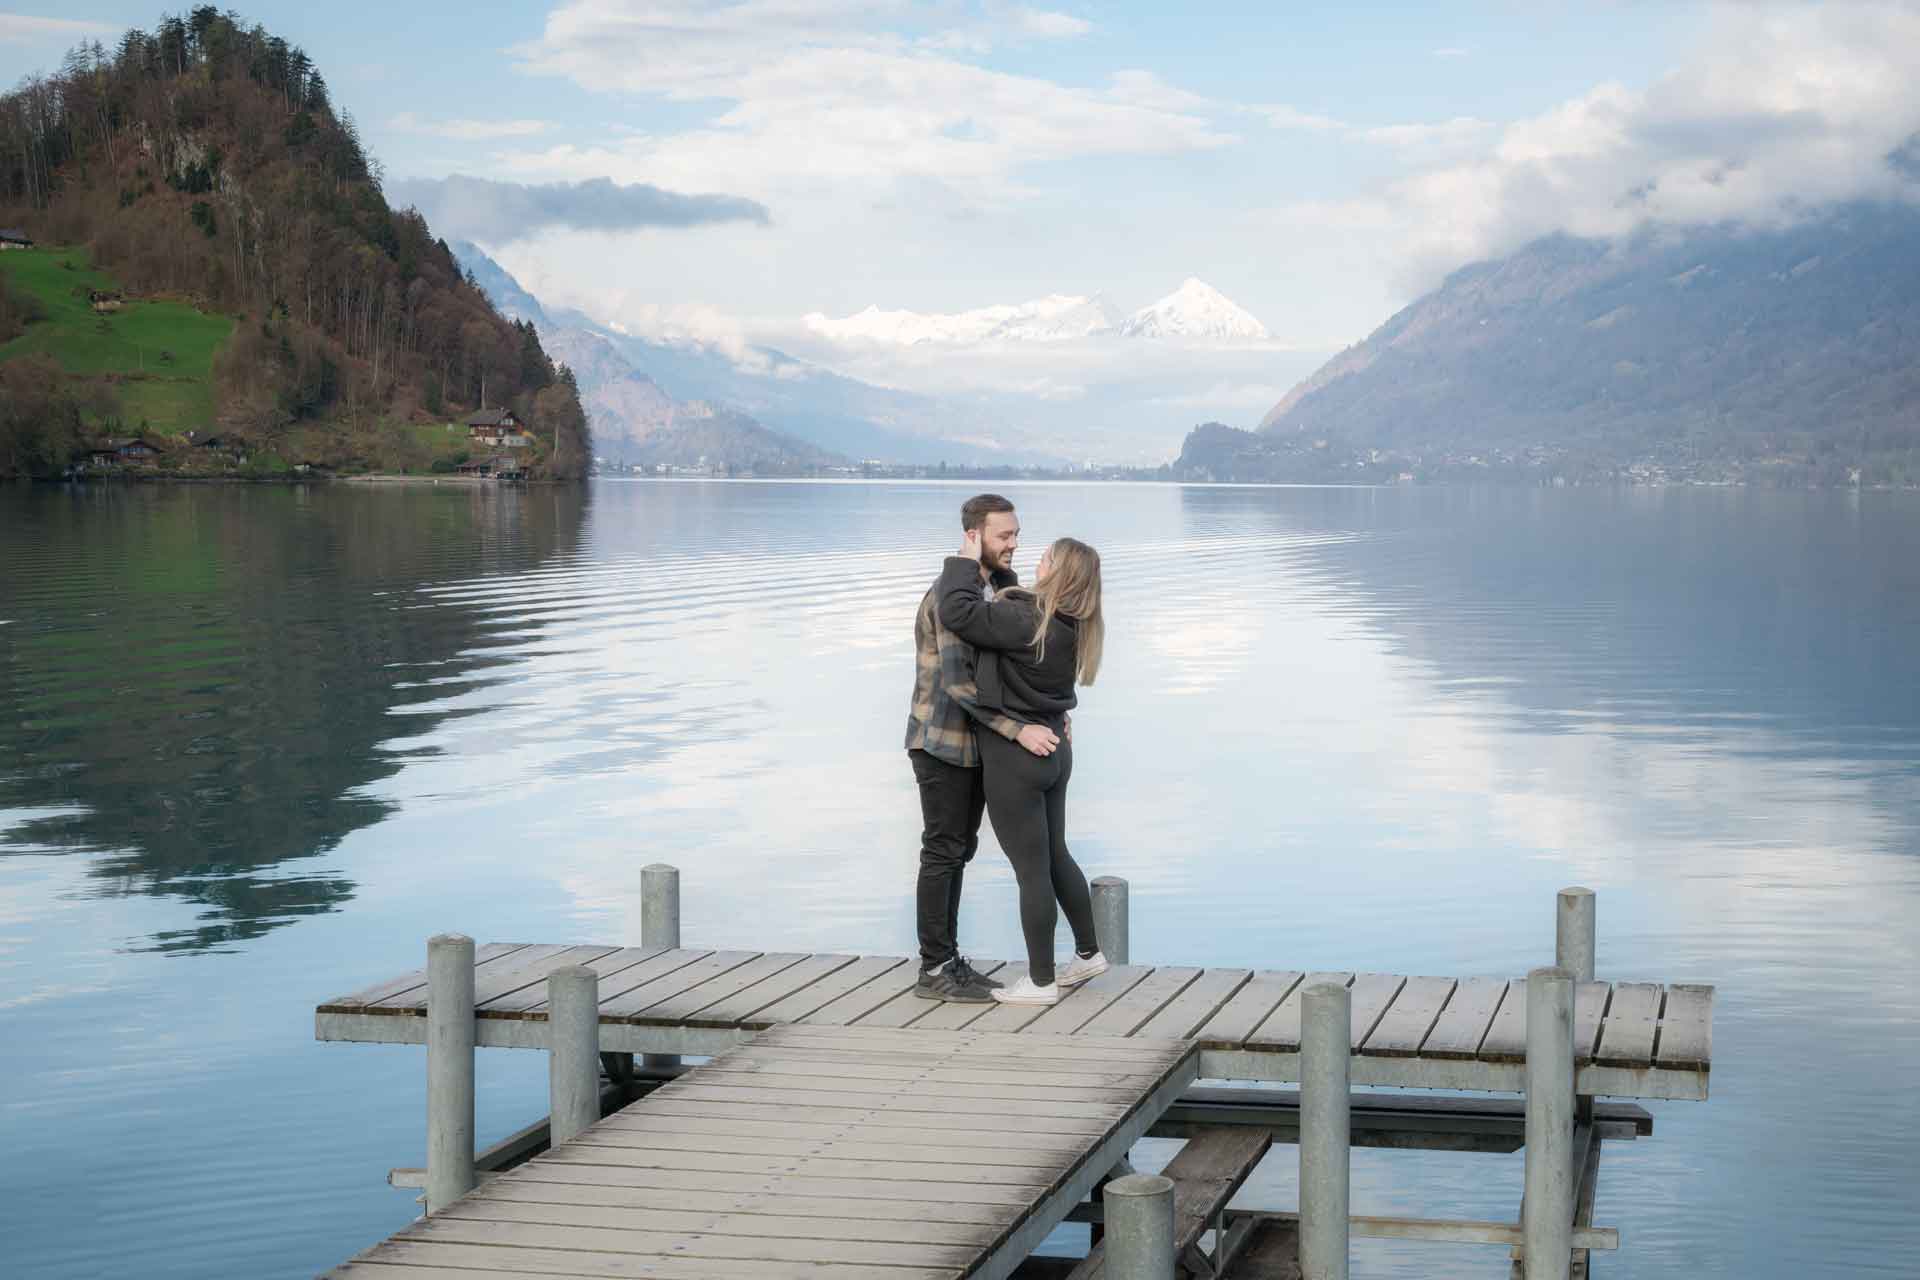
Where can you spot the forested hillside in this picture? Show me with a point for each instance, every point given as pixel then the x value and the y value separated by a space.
pixel 205 163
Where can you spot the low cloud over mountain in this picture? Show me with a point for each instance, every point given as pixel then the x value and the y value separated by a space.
pixel 502 212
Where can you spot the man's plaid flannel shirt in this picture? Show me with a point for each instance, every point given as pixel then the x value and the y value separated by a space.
pixel 944 709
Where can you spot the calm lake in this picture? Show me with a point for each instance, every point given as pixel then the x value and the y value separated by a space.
pixel 256 744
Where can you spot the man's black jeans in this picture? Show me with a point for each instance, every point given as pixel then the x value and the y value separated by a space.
pixel 952 800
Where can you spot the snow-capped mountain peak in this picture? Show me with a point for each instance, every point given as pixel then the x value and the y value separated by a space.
pixel 1196 310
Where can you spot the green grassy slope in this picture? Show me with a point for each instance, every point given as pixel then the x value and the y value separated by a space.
pixel 157 355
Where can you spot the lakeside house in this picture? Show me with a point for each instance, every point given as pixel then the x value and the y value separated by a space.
pixel 498 429
pixel 499 466
pixel 137 452
pixel 103 300
pixel 14 238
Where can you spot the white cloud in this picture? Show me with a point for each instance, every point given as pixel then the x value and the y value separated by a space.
pixel 1004 24
pixel 820 92
pixel 26 26
pixel 1281 116
pixel 1783 110
pixel 467 130
pixel 1448 135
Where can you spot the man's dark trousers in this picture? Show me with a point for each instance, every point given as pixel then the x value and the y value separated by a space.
pixel 952 800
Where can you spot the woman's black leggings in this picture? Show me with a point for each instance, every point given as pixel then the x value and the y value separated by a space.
pixel 1027 804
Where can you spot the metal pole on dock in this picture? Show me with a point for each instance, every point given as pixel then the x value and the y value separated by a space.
pixel 1573 935
pixel 1139 1235
pixel 660 926
pixel 449 1069
pixel 1546 1213
pixel 1110 917
pixel 1326 1019
pixel 573 1057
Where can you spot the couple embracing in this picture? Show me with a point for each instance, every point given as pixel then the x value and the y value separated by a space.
pixel 989 731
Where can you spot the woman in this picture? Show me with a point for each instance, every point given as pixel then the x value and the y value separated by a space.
pixel 1045 640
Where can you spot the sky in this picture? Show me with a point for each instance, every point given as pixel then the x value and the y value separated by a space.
pixel 720 171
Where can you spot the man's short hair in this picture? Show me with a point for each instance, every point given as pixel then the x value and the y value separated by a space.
pixel 975 510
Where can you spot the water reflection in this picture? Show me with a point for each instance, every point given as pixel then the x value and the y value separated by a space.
pixel 197 685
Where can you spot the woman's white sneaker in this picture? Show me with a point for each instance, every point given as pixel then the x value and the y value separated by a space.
pixel 1080 968
pixel 1025 992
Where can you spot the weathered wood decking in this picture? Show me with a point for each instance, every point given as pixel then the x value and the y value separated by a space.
pixel 1639 1040
pixel 878 1154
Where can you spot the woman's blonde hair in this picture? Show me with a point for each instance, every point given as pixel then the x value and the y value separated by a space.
pixel 1072 588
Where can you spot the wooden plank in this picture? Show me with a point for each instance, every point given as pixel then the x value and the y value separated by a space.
pixel 825 1208
pixel 1272 1252
pixel 1206 1173
pixel 731 1107
pixel 1589 1007
pixel 1633 1018
pixel 1404 1026
pixel 883 989
pixel 785 1226
pixel 513 1236
pixel 932 1170
pixel 1686 1029
pixel 924 1084
pixel 901 1147
pixel 1084 1002
pixel 1373 994
pixel 980 1041
pixel 792 1062
pixel 618 971
pixel 650 1126
pixel 1186 1013
pixel 484 1259
pixel 1131 1011
pixel 1280 1033
pixel 624 1005
pixel 600 1175
pixel 924 1100
pixel 1506 1038
pixel 743 1007
pixel 684 1005
pixel 830 988
pixel 1463 1023
pixel 1250 1006
pixel 383 994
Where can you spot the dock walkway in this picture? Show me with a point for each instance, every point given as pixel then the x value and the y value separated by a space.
pixel 1631 1039
pixel 879 1153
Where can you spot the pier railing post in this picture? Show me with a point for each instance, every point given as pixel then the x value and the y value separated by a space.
pixel 1326 1019
pixel 1139 1239
pixel 573 1057
pixel 449 1069
pixel 1546 1212
pixel 1573 950
pixel 1110 918
pixel 660 926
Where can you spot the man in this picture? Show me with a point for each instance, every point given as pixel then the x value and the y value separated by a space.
pixel 946 761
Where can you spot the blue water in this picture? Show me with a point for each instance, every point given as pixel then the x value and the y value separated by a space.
pixel 257 744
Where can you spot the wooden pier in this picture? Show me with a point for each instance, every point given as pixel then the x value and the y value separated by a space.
pixel 846 1127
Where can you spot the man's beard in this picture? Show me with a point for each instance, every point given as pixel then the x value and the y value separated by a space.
pixel 1003 563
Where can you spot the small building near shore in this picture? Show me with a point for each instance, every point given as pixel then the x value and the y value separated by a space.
pixel 14 238
pixel 499 466
pixel 104 300
pixel 121 452
pixel 499 429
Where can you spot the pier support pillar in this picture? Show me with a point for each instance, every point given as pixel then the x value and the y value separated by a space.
pixel 1110 918
pixel 1326 1074
pixel 1574 940
pixel 449 1069
pixel 573 1058
pixel 1139 1235
pixel 1546 1212
pixel 660 926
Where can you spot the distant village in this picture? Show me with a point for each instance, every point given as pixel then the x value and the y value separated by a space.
pixel 499 445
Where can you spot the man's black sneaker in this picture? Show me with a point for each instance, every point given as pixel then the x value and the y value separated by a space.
pixel 947 985
pixel 967 973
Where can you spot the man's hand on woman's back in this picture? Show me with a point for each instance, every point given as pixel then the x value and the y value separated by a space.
pixel 1038 739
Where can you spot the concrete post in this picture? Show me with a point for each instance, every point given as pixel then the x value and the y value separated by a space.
pixel 659 905
pixel 1110 917
pixel 1546 1213
pixel 573 1057
pixel 1139 1235
pixel 1573 934
pixel 1326 1018
pixel 449 1069
pixel 660 926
